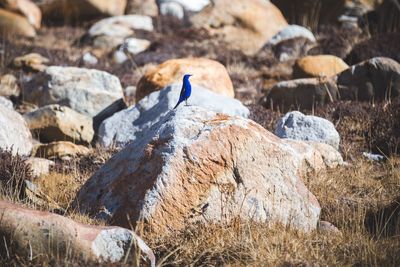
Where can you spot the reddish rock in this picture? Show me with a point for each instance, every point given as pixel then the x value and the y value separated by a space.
pixel 12 24
pixel 24 229
pixel 244 25
pixel 26 8
pixel 206 73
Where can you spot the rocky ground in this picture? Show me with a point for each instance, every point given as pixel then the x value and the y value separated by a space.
pixel 98 169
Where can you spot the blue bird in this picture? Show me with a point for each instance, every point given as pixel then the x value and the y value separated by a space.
pixel 185 91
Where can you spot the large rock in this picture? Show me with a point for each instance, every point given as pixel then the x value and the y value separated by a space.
pixel 30 232
pixel 127 125
pixel 206 73
pixel 14 133
pixel 59 150
pixel 80 10
pixel 5 102
pixel 197 165
pixel 291 32
pixel 87 91
pixel 58 123
pixel 26 8
pixel 301 94
pixel 241 24
pixel 318 66
pixel 295 125
pixel 374 79
pixel 12 24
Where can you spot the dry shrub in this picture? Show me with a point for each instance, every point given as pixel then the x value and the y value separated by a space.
pixel 13 172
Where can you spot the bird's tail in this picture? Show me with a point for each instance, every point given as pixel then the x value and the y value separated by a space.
pixel 177 104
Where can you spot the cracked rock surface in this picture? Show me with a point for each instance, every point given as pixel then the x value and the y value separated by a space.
pixel 198 165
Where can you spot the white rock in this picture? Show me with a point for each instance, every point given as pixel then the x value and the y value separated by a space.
pixel 188 5
pixel 295 125
pixel 119 57
pixel 87 91
pixel 121 26
pixel 129 124
pixel 88 58
pixel 135 46
pixel 40 166
pixel 172 9
pixel 6 102
pixel 14 133
pixel 291 32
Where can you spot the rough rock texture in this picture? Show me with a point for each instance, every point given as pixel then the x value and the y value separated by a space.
pixel 15 24
pixel 318 66
pixel 328 228
pixel 23 228
pixel 80 10
pixel 127 125
pixel 14 132
pixel 26 8
pixel 301 94
pixel 206 73
pixel 9 86
pixel 291 32
pixel 198 165
pixel 59 150
pixel 86 91
pixel 244 25
pixel 6 103
pixel 57 123
pixel 39 166
pixel 295 125
pixel 31 62
pixel 374 79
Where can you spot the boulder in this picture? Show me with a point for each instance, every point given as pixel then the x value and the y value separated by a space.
pixel 39 166
pixel 206 73
pixel 301 94
pixel 80 10
pixel 318 66
pixel 196 165
pixel 31 232
pixel 26 8
pixel 9 86
pixel 14 133
pixel 142 7
pixel 130 124
pixel 291 32
pixel 241 24
pixel 12 24
pixel 374 79
pixel 58 123
pixel 6 103
pixel 87 91
pixel 295 125
pixel 59 150
pixel 31 62
pixel 289 49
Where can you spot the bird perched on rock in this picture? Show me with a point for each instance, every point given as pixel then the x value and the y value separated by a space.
pixel 185 91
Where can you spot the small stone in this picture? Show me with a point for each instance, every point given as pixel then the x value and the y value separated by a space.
pixel 40 166
pixel 59 150
pixel 9 86
pixel 32 62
